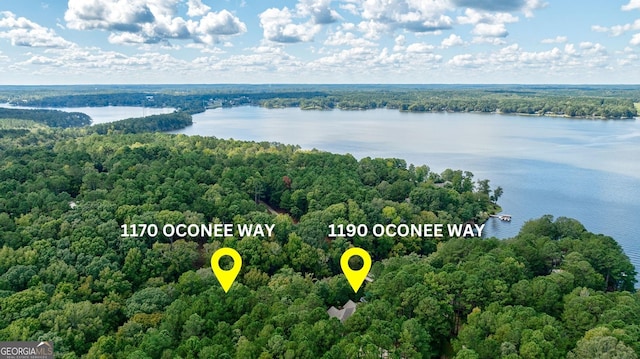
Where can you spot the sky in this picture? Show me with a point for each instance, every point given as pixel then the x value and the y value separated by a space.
pixel 46 42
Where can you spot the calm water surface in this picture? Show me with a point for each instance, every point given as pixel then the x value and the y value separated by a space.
pixel 107 113
pixel 583 169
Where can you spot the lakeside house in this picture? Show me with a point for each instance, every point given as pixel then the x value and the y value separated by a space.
pixel 342 314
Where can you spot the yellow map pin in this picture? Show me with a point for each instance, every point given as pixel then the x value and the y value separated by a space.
pixel 355 277
pixel 226 277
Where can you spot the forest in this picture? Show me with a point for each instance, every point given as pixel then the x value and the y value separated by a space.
pixel 164 122
pixel 603 102
pixel 67 276
pixel 52 118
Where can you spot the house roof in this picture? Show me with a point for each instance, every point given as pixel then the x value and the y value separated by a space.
pixel 342 314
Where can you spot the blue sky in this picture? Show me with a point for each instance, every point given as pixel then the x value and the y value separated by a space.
pixel 319 41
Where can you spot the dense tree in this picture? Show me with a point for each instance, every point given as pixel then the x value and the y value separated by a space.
pixel 67 273
pixel 51 118
pixel 600 343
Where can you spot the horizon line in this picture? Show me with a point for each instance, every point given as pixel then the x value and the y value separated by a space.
pixel 324 84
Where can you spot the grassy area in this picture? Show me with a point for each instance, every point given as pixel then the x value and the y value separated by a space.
pixel 637 105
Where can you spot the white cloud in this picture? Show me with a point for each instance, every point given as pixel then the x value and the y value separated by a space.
pixel 587 45
pixel 197 8
pixel 531 5
pixel 411 15
pixel 474 17
pixel 501 5
pixel 267 57
pixel 599 28
pixel 116 15
pixel 421 16
pixel 341 38
pixel 490 30
pixel 351 8
pixel 127 38
pixel 514 59
pixel 593 54
pixel 487 24
pixel 633 4
pixel 628 56
pixel 278 26
pixel 97 65
pixel 400 41
pixel 372 29
pixel 352 55
pixel 526 6
pixel 215 24
pixel 379 63
pixel 42 60
pixel 617 30
pixel 570 49
pixel 383 40
pixel 205 49
pixel 540 58
pixel 420 47
pixel 466 60
pixel 556 40
pixel 318 10
pixel 387 16
pixel 24 32
pixel 629 60
pixel 496 41
pixel 451 41
pixel 151 21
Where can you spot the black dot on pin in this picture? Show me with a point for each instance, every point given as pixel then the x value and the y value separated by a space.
pixel 356 263
pixel 226 262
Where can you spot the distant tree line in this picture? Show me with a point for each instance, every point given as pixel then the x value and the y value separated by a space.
pixel 584 102
pixel 192 103
pixel 583 107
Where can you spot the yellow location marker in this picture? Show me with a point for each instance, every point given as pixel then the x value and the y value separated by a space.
pixel 226 277
pixel 355 277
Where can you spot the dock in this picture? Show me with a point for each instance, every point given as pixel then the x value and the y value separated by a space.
pixel 502 217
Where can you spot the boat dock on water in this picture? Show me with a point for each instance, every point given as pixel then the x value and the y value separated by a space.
pixel 502 217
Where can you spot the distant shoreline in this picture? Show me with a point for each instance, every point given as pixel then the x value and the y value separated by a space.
pixel 579 102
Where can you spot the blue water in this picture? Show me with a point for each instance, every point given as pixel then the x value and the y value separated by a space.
pixel 107 113
pixel 584 169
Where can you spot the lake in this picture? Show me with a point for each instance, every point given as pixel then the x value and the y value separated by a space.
pixel 583 169
pixel 107 113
